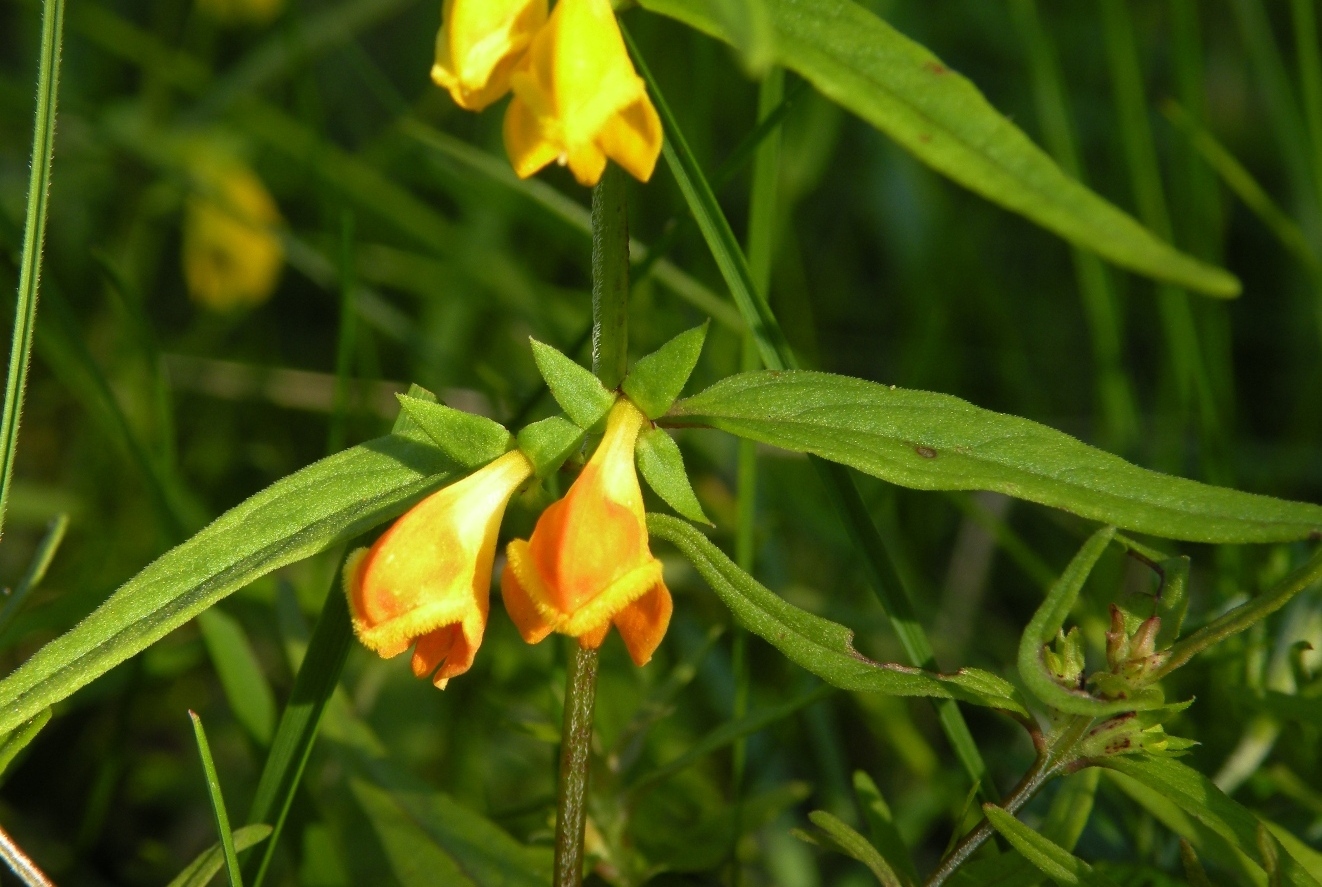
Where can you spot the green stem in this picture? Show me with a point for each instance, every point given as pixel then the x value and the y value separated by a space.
pixel 610 361
pixel 1053 758
pixel 34 233
pixel 575 749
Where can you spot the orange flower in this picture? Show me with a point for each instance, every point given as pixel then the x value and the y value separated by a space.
pixel 587 565
pixel 578 100
pixel 428 578
pixel 479 43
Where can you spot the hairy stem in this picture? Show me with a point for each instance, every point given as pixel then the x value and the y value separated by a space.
pixel 610 361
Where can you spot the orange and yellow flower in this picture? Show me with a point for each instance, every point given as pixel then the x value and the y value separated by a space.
pixel 427 580
pixel 479 43
pixel 588 565
pixel 578 100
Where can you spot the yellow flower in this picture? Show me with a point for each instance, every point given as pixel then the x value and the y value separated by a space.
pixel 578 101
pixel 480 41
pixel 255 12
pixel 588 565
pixel 231 256
pixel 427 580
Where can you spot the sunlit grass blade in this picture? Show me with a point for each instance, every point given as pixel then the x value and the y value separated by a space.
pixel 776 354
pixel 41 561
pixel 217 803
pixel 1115 393
pixel 201 870
pixel 34 235
pixel 318 676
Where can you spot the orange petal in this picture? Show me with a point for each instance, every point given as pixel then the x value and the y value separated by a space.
pixel 643 623
pixel 593 639
pixel 524 613
pixel 632 138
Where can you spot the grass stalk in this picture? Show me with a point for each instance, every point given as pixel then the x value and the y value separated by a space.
pixel 217 803
pixel 34 235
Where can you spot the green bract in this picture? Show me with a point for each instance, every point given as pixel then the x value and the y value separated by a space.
pixel 656 380
pixel 662 466
pixel 469 439
pixel 548 443
pixel 578 392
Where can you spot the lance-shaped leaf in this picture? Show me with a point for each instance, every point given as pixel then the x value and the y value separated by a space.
pixel 837 835
pixel 857 60
pixel 324 504
pixel 583 398
pixel 1048 857
pixel 1200 799
pixel 662 465
pixel 656 380
pixel 937 442
pixel 468 439
pixel 819 645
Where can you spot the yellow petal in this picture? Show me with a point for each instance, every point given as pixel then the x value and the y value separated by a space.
pixel 528 148
pixel 632 138
pixel 479 44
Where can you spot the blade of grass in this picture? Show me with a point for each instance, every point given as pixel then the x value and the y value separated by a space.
pixel 1304 13
pixel 34 235
pixel 217 802
pixel 774 349
pixel 1193 385
pixel 41 560
pixel 762 215
pixel 1115 392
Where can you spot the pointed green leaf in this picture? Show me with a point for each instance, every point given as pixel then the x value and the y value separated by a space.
pixel 822 647
pixel 656 380
pixel 859 61
pixel 885 834
pixel 469 439
pixel 1199 798
pixel 217 803
pixel 548 443
pixel 324 504
pixel 837 835
pixel 583 398
pixel 662 465
pixel 937 442
pixel 18 739
pixel 210 861
pixel 1052 860
pixel 241 677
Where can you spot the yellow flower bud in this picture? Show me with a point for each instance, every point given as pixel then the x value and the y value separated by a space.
pixel 427 580
pixel 231 255
pixel 588 565
pixel 578 100
pixel 479 43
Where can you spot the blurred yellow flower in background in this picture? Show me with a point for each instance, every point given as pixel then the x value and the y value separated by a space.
pixel 232 257
pixel 578 100
pixel 242 12
pixel 479 43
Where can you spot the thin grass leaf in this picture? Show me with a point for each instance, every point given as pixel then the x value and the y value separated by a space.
pixel 34 236
pixel 41 561
pixel 318 676
pixel 1242 183
pixel 240 674
pixel 1304 15
pixel 201 870
pixel 837 835
pixel 857 60
pixel 217 803
pixel 347 338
